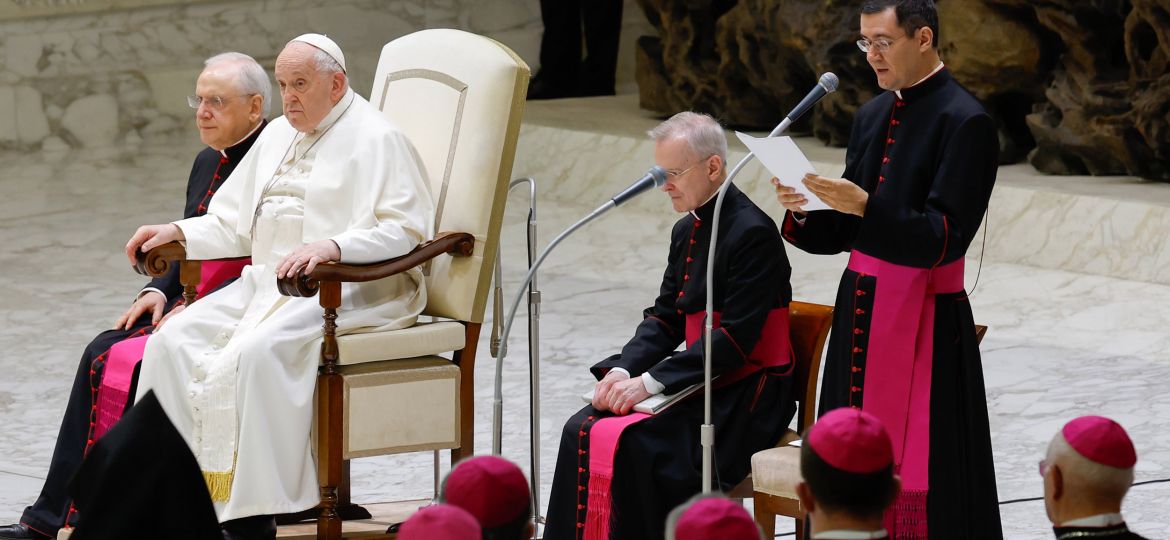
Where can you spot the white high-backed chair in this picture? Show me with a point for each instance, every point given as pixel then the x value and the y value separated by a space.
pixel 459 97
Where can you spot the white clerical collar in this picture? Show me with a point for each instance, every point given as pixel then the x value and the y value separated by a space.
pixel 1099 520
pixel 846 534
pixel 258 124
pixel 936 69
pixel 338 109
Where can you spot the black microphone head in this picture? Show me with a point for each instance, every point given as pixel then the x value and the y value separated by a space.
pixel 829 82
pixel 658 174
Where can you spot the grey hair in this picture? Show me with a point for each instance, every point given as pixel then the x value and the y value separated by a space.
pixel 702 132
pixel 250 76
pixel 1086 478
pixel 327 64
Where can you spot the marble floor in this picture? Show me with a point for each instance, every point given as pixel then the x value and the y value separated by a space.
pixel 1060 344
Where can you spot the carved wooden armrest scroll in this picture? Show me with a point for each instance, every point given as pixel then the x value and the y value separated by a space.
pixel 157 262
pixel 458 244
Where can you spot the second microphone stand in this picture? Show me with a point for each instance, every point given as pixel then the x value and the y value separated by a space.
pixel 707 430
pixel 533 353
pixel 654 178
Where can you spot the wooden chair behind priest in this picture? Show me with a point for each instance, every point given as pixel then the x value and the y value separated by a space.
pixel 809 328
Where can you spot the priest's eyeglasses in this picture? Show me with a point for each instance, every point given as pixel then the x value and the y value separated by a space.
pixel 676 174
pixel 215 103
pixel 880 45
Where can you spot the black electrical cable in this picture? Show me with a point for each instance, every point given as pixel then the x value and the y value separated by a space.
pixel 1032 499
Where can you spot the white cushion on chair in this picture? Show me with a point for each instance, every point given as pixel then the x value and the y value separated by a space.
pixel 776 471
pixel 400 406
pixel 421 339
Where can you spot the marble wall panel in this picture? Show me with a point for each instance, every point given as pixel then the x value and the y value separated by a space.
pixel 1080 232
pixel 85 73
pixel 111 77
pixel 23 9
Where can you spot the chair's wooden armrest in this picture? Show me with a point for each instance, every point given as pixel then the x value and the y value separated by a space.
pixel 458 244
pixel 157 262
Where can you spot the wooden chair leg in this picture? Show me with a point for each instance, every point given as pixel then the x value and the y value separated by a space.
pixel 330 398
pixel 465 359
pixel 765 519
pixel 343 485
pixel 346 510
pixel 330 465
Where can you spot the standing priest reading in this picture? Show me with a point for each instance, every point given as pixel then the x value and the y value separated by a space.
pixel 331 180
pixel 619 473
pixel 918 174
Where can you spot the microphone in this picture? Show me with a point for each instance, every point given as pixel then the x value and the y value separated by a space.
pixel 826 85
pixel 654 178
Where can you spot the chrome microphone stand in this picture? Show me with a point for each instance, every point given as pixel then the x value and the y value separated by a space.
pixel 707 430
pixel 658 176
pixel 828 82
pixel 533 354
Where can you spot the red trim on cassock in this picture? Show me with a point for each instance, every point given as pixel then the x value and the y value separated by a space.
pixel 772 350
pixel 946 238
pixel 788 226
pixel 663 323
pixel 853 369
pixel 38 530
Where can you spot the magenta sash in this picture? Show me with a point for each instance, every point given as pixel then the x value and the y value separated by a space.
pixel 772 350
pixel 603 445
pixel 214 273
pixel 114 392
pixel 898 374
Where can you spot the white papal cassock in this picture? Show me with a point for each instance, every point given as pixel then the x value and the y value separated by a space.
pixel 235 371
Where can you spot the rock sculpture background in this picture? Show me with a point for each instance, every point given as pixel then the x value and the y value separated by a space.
pixel 1077 86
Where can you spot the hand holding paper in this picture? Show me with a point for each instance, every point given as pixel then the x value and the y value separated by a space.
pixel 783 158
pixel 838 193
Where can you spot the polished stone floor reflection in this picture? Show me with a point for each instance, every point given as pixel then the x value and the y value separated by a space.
pixel 1060 344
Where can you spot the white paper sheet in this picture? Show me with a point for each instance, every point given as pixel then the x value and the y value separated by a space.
pixel 786 162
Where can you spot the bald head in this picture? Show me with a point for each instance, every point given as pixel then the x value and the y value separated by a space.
pixel 310 82
pixel 1075 486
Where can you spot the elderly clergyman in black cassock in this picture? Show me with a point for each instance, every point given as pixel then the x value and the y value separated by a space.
pixel 619 473
pixel 231 101
pixel 921 163
pixel 331 180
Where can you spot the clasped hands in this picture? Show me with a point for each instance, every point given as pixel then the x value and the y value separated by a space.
pixel 617 392
pixel 304 258
pixel 840 194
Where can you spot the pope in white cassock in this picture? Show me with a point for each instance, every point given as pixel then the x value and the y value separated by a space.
pixel 331 180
